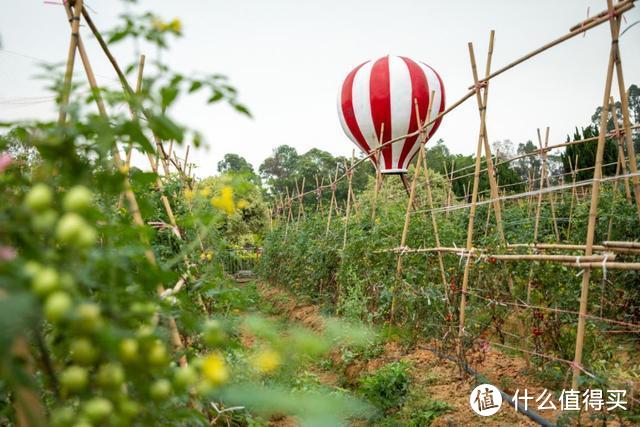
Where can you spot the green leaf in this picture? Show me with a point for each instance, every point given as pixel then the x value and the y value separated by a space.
pixel 165 128
pixel 242 109
pixel 217 96
pixel 195 85
pixel 169 94
pixel 135 134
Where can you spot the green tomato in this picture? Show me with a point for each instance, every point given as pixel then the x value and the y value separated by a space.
pixel 39 198
pixel 128 408
pixel 82 351
pixel 67 282
pixel 44 221
pixel 57 306
pixel 160 389
pixel 184 377
pixel 77 199
pixel 129 350
pixel 87 237
pixel 31 268
pixel 157 354
pixel 73 230
pixel 87 317
pixel 110 375
pixel 45 281
pixel 97 409
pixel 62 417
pixel 74 378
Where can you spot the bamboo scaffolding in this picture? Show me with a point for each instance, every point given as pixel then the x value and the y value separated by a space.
pixel 129 194
pixel 333 200
pixel 348 211
pixel 482 110
pixel 405 229
pixel 434 222
pixel 595 193
pixel 470 224
pixel 621 156
pixel 545 177
pixel 614 25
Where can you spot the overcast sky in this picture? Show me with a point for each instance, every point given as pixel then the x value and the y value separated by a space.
pixel 288 58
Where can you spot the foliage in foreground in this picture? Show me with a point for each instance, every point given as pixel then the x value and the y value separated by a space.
pixel 87 336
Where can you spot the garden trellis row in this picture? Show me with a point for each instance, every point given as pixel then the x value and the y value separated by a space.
pixel 599 256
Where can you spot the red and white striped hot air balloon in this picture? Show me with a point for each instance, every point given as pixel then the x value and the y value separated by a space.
pixel 379 95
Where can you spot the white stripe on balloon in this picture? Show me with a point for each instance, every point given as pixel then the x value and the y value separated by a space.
pixel 400 92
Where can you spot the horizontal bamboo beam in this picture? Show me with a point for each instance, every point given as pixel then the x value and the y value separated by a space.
pixel 570 247
pixel 608 265
pixel 613 244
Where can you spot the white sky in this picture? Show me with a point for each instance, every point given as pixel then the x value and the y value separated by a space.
pixel 288 58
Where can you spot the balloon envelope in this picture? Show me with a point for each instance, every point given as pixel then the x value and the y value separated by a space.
pixel 380 96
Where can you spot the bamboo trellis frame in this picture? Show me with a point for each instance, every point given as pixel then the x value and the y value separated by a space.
pixel 605 259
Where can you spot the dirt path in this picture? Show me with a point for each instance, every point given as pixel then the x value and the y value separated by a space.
pixel 435 377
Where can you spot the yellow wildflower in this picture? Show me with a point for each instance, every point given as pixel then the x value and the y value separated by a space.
pixel 209 256
pixel 157 24
pixel 242 204
pixel 267 361
pixel 175 25
pixel 205 192
pixel 215 370
pixel 224 202
pixel 188 195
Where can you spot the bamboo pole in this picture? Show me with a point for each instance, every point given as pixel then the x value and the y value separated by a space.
pixel 614 26
pixel 405 232
pixel 129 194
pixel 469 243
pixel 138 90
pixel 574 194
pixel 333 200
pixel 348 212
pixel 74 20
pixel 545 176
pixel 482 110
pixel 593 208
pixel 621 156
pixel 434 222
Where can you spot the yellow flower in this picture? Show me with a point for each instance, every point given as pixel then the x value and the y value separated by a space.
pixel 157 24
pixel 175 25
pixel 377 220
pixel 188 195
pixel 224 202
pixel 205 192
pixel 266 361
pixel 209 256
pixel 215 370
pixel 242 204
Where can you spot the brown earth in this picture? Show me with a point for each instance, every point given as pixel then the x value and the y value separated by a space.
pixel 437 378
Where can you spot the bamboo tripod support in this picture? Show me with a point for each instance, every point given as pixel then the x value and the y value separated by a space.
pixel 595 193
pixel 332 202
pixel 482 98
pixel 348 209
pixel 130 196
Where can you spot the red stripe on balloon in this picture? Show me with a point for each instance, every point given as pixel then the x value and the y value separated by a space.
pixel 436 125
pixel 419 92
pixel 380 100
pixel 346 103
